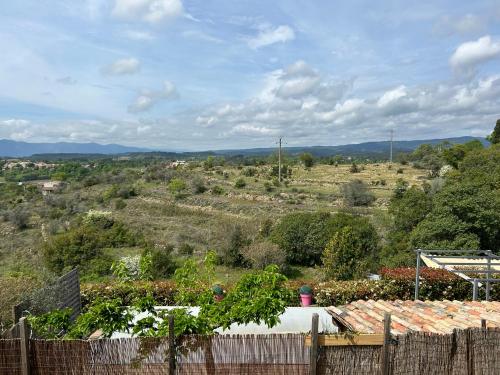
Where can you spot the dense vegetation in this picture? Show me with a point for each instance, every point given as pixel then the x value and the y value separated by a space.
pixel 331 219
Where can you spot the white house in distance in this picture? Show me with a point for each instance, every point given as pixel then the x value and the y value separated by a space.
pixel 50 187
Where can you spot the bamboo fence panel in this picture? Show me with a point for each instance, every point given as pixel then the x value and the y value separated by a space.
pixel 10 358
pixel 472 351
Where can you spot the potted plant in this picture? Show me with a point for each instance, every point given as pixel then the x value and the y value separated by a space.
pixel 305 295
pixel 218 292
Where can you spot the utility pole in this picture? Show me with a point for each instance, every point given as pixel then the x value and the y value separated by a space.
pixel 392 138
pixel 279 160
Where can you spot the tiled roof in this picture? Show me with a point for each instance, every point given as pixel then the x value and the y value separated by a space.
pixel 429 316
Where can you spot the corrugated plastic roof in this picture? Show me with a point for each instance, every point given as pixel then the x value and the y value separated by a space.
pixel 429 316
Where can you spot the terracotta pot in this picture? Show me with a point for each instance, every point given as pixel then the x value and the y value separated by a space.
pixel 306 299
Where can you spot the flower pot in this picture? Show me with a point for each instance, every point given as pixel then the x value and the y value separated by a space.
pixel 306 299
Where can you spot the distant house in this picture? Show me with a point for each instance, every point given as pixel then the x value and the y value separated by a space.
pixel 14 163
pixel 50 187
pixel 177 163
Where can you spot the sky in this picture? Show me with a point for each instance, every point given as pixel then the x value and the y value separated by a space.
pixel 226 74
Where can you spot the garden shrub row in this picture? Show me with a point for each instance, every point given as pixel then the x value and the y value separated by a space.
pixel 395 284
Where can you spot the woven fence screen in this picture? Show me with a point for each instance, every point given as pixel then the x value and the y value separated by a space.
pixel 471 351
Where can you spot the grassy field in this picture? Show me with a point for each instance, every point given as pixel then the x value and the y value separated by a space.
pixel 203 220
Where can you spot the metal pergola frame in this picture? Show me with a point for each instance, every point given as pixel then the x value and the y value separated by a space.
pixel 486 255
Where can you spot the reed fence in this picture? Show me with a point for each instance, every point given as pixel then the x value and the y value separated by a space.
pixel 471 351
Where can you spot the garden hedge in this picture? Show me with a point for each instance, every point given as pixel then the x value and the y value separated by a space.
pixel 395 283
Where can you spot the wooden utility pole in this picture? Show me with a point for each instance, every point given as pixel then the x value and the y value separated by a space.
pixel 392 138
pixel 279 160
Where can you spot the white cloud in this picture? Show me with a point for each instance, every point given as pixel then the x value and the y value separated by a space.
pixel 123 67
pixel 469 54
pixel 327 113
pixel 152 11
pixel 15 122
pixel 148 98
pixel 252 130
pixel 268 36
pixel 391 96
pixel 464 25
pixel 138 35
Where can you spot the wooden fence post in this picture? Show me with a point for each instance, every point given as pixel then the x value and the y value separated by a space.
pixel 25 346
pixel 384 365
pixel 171 345
pixel 483 323
pixel 314 344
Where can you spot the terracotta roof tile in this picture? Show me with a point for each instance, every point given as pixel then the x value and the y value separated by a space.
pixel 428 316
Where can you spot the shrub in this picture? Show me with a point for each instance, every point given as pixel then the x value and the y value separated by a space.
pixel 249 172
pixel 268 187
pixel 356 193
pixel 307 159
pixel 85 242
pixel 262 254
pixel 395 284
pixel 163 265
pixel 12 290
pixel 354 168
pixel 163 291
pixel 176 186
pixel 266 227
pixel 240 183
pixel 398 283
pixel 116 191
pixel 198 185
pixel 344 257
pixel 231 254
pixel 19 217
pixel 186 249
pixel 120 204
pixel 217 190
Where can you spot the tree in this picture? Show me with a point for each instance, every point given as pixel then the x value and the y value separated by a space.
pixel 303 235
pixel 494 137
pixel 466 212
pixel 307 159
pixel 262 254
pixel 344 257
pixel 231 255
pixel 84 243
pixel 410 208
pixel 356 193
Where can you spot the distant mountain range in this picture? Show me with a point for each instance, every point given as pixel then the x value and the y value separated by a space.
pixel 23 149
pixel 355 149
pixel 10 148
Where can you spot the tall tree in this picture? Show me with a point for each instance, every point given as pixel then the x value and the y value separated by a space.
pixel 494 137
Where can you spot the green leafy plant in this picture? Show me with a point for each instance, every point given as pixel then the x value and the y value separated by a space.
pixel 51 325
